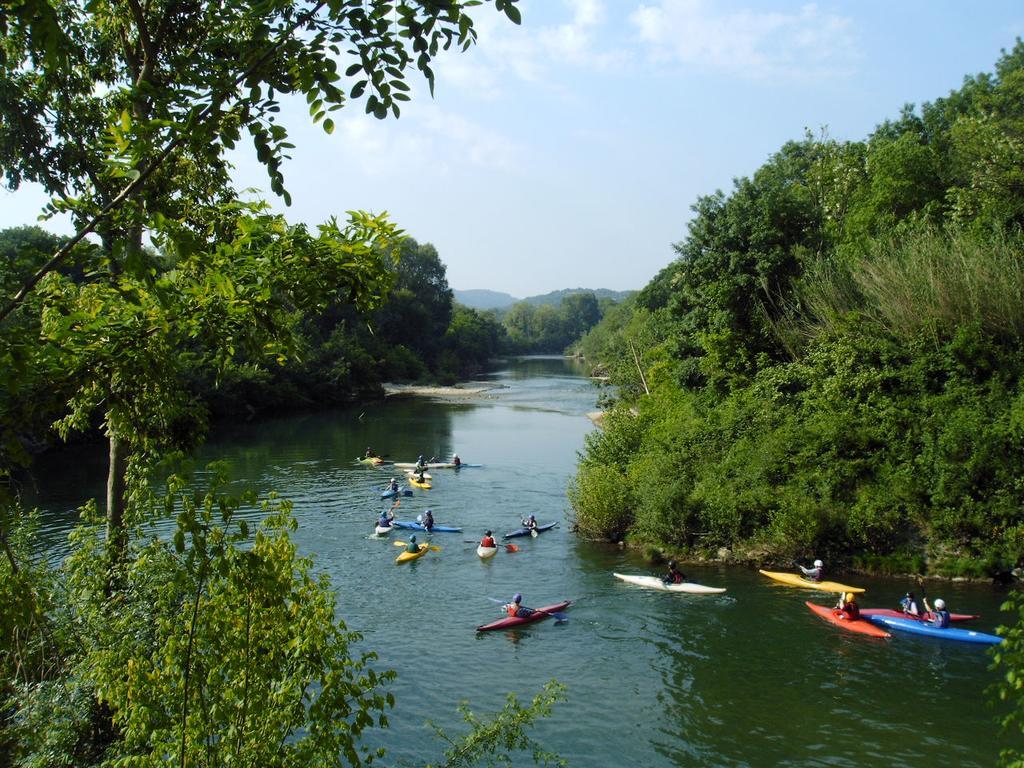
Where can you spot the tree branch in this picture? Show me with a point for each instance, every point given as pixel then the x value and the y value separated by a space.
pixel 215 101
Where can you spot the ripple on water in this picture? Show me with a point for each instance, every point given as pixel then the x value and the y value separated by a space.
pixel 749 678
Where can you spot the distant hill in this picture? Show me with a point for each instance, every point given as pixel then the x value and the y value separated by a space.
pixel 480 298
pixel 555 297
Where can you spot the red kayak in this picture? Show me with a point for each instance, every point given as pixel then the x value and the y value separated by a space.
pixel 838 618
pixel 901 615
pixel 517 621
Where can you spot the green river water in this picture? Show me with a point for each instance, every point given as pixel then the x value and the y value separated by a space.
pixel 748 678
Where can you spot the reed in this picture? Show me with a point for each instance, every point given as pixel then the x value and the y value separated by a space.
pixel 924 282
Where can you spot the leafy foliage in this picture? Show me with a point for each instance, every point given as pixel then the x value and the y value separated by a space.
pixel 1008 659
pixel 834 360
pixel 490 742
pixel 221 646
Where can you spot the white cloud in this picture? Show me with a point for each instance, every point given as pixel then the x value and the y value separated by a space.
pixel 533 50
pixel 428 140
pixel 806 44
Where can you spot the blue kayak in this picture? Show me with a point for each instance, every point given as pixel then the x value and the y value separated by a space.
pixel 922 628
pixel 401 491
pixel 409 524
pixel 526 531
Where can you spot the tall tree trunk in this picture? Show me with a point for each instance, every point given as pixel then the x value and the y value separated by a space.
pixel 117 536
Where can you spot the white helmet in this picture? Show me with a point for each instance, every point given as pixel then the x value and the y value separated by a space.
pixel 818 564
pixel 940 604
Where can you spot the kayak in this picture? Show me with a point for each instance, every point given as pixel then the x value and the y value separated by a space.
pixel 797 581
pixel 373 461
pixel 435 465
pixel 388 494
pixel 426 475
pixel 526 531
pixel 412 526
pixel 902 615
pixel 405 557
pixel 510 622
pixel 382 530
pixel 922 628
pixel 653 582
pixel 418 484
pixel 838 618
pixel 486 552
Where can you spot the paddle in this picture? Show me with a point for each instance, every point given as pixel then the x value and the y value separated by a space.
pixel 928 613
pixel 432 547
pixel 558 615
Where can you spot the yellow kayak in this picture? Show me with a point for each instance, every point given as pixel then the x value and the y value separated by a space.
pixel 798 581
pixel 405 557
pixel 418 484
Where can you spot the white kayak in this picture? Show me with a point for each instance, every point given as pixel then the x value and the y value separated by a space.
pixel 486 552
pixel 381 530
pixel 426 475
pixel 653 582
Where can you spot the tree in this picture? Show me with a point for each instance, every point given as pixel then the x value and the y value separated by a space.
pixel 473 338
pixel 580 313
pixel 124 111
pixel 419 308
pixel 1009 660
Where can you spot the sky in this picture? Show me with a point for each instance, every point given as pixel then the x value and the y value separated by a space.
pixel 566 152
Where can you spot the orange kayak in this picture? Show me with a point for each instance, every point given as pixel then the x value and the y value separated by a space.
pixel 838 618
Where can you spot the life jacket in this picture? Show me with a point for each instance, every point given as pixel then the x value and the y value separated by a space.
pixel 487 541
pixel 940 619
pixel 910 606
pixel 512 609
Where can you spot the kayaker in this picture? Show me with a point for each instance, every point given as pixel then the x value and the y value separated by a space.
pixel 370 453
pixel 421 465
pixel 428 520
pixel 456 461
pixel 848 605
pixel 412 547
pixel 815 573
pixel 488 541
pixel 674 575
pixel 909 605
pixel 516 609
pixel 385 520
pixel 393 485
pixel 530 523
pixel 940 616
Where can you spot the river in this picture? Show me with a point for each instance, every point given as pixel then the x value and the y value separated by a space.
pixel 748 678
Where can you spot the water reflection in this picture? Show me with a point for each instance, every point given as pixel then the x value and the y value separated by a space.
pixel 748 678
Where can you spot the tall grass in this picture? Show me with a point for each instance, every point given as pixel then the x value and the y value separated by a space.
pixel 924 282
